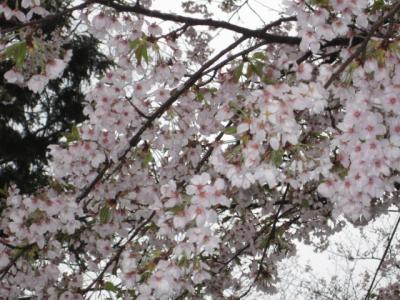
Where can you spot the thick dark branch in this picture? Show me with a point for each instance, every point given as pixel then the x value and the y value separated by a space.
pixel 258 33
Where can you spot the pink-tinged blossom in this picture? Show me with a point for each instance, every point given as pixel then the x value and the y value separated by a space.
pixel 202 215
pixel 197 189
pixel 144 292
pixel 162 280
pixel 30 3
pixel 328 188
pixel 339 27
pixel 6 10
pixel 171 196
pixel 101 21
pixel 4 258
pixel 154 29
pixel 40 11
pixel 14 77
pixel 37 83
pixel 199 276
pixel 55 68
pixel 203 238
pixel 267 174
pixel 394 125
pixel 372 126
pixel 304 71
pixel 182 217
pixel 243 127
pixel 70 296
pixel 19 15
pixel 216 193
pixel 309 41
pixel 240 178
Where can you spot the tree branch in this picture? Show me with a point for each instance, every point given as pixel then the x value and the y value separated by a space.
pixel 117 255
pixel 259 33
pixel 158 113
pixel 367 296
pixel 395 8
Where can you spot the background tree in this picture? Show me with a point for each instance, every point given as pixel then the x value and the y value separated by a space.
pixel 30 122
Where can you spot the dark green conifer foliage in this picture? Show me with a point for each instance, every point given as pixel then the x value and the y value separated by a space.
pixel 32 122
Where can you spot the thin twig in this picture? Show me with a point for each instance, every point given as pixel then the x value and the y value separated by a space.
pixel 367 296
pixel 210 149
pixel 267 244
pixel 117 255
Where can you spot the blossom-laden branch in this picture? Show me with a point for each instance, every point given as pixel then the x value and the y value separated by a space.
pixel 166 105
pixel 393 10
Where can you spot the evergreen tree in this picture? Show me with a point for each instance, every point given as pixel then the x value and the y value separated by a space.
pixel 30 122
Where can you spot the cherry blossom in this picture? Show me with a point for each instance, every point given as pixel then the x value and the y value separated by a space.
pixel 190 172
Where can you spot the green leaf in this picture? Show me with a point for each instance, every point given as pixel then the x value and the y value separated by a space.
pixel 17 53
pixel 148 158
pixel 145 55
pixel 321 3
pixel 138 55
pixel 340 170
pixel 135 43
pixel 176 209
pixel 259 56
pixel 109 286
pixel 183 261
pixel 199 96
pixel 146 275
pixel 105 214
pixel 277 157
pixel 257 68
pixel 378 5
pixel 4 192
pixel 305 203
pixel 230 130
pixel 140 47
pixel 73 135
pixel 237 72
